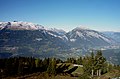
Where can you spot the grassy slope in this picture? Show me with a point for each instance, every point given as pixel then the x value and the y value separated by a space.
pixel 112 74
pixel 79 70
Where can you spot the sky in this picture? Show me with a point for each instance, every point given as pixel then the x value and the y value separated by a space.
pixel 101 15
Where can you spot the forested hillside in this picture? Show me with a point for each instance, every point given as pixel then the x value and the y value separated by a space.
pixel 87 67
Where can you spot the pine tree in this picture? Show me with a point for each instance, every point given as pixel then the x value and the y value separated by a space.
pixel 52 67
pixel 20 66
pixel 100 60
pixel 92 63
pixel 79 61
pixel 45 64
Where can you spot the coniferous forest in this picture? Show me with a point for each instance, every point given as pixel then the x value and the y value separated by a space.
pixel 88 67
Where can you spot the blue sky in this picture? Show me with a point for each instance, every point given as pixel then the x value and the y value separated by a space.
pixel 100 15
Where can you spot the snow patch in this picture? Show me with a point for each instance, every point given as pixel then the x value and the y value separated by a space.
pixel 81 28
pixel 79 34
pixel 52 34
pixel 38 39
pixel 72 40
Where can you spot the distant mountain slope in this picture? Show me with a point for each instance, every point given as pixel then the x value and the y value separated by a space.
pixel 86 38
pixel 27 39
pixel 113 35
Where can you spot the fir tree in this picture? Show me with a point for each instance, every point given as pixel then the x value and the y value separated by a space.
pixel 52 67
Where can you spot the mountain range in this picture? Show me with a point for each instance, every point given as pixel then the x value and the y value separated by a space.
pixel 28 39
pixel 87 37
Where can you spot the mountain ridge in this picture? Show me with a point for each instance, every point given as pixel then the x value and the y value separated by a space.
pixel 88 37
pixel 46 42
pixel 82 34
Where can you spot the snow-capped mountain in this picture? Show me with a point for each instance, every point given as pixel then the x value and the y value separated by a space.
pixel 30 26
pixel 78 37
pixel 84 37
pixel 19 25
pixel 28 39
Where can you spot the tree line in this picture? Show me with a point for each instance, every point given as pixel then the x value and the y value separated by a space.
pixel 93 65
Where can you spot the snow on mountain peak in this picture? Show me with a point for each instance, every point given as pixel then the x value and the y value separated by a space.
pixel 83 33
pixel 59 31
pixel 19 25
pixel 81 28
